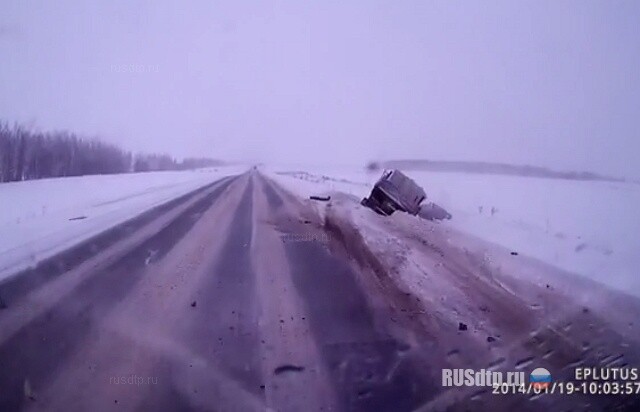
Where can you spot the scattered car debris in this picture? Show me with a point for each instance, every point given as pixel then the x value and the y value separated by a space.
pixel 150 255
pixel 320 198
pixel 28 391
pixel 462 326
pixel 395 191
pixel 287 368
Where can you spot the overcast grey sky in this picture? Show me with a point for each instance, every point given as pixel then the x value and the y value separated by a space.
pixel 552 83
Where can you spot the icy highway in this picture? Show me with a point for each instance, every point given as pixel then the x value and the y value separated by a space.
pixel 240 297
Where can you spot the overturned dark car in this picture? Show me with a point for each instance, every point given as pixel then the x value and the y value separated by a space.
pixel 396 191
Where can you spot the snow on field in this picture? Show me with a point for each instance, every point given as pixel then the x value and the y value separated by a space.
pixel 40 218
pixel 311 181
pixel 589 228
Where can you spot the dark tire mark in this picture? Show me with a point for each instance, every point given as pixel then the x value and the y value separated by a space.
pixel 273 198
pixel 347 242
pixel 368 367
pixel 164 396
pixel 41 347
pixel 287 368
pixel 224 326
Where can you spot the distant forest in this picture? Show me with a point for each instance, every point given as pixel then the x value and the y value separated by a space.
pixel 26 154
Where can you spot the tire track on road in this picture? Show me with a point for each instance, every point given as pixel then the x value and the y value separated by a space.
pixel 294 373
pixel 369 367
pixel 16 286
pixel 227 309
pixel 40 347
pixel 153 329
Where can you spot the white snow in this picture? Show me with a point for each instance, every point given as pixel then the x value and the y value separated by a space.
pixel 35 215
pixel 586 227
pixel 589 228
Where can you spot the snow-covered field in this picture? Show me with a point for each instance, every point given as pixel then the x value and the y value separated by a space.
pixel 40 218
pixel 589 228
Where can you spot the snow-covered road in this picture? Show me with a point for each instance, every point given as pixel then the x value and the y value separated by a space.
pixel 243 295
pixel 40 218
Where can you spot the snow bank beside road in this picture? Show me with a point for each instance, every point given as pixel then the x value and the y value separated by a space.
pixel 590 228
pixel 40 218
pixel 306 184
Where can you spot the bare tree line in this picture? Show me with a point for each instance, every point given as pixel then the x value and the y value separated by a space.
pixel 26 154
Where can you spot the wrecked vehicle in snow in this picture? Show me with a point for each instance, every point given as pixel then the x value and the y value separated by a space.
pixel 395 191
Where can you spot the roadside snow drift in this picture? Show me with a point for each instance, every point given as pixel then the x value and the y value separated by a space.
pixel 585 227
